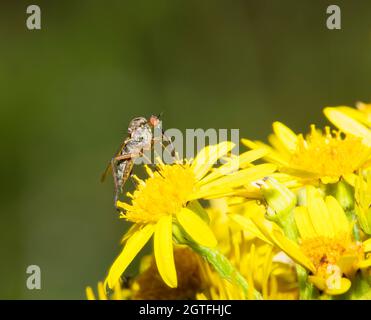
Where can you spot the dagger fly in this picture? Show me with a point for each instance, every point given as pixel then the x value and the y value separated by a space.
pixel 140 138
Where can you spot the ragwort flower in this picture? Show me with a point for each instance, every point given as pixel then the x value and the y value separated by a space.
pixel 320 156
pixel 169 196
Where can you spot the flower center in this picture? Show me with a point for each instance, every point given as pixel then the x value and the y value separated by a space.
pixel 329 155
pixel 165 192
pixel 190 279
pixel 325 253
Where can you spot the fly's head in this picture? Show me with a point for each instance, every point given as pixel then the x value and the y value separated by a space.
pixel 154 121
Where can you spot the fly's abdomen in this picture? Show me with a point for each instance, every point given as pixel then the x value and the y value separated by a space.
pixel 120 173
pixel 123 172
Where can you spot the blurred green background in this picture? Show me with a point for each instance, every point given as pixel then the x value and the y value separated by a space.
pixel 68 91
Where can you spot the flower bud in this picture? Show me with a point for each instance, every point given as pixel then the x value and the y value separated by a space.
pixel 280 200
pixel 344 194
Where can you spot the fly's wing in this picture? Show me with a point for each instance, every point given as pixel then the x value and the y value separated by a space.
pixel 109 166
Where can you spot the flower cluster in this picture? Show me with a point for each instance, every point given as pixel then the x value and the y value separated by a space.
pixel 286 220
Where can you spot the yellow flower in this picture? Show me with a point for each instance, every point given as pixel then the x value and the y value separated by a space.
pixel 320 156
pixel 169 196
pixel 150 285
pixel 356 122
pixel 326 243
pixel 252 257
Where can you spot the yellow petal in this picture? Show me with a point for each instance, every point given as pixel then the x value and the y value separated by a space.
pixel 148 170
pixel 201 296
pixel 241 177
pixel 292 250
pixel 287 180
pixel 232 165
pixel 337 215
pixel 123 205
pixel 287 137
pixel 320 283
pixel 277 144
pixel 247 225
pixel 119 293
pixel 254 144
pixel 163 247
pixel 356 114
pixel 208 156
pixel 130 232
pixel 347 124
pixel 133 245
pixel 89 293
pixel 276 236
pixel 196 207
pixel 101 292
pixel 348 264
pixel 196 228
pixel 344 287
pixel 365 264
pixel 304 223
pixel 329 180
pixel 252 155
pixel 350 178
pixel 242 161
pixel 318 213
pixel 367 245
pixel 272 156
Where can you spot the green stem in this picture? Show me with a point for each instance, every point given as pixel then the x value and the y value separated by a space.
pixel 306 289
pixel 223 266
pixel 288 225
pixel 353 219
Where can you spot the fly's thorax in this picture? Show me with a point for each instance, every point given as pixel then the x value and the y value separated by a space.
pixel 142 136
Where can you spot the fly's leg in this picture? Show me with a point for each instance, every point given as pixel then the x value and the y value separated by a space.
pixel 128 156
pixel 167 139
pixel 114 162
pixel 156 154
pixel 172 153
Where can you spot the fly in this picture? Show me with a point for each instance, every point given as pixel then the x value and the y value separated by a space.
pixel 140 138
